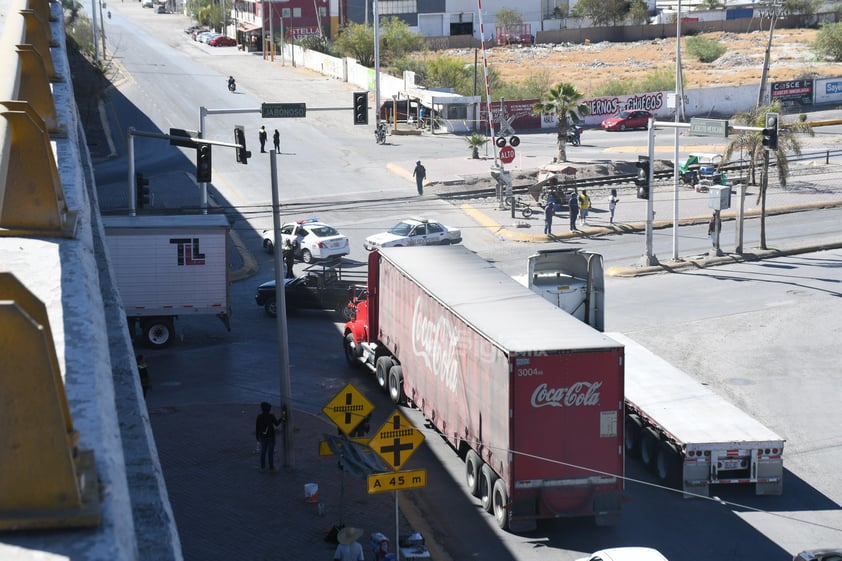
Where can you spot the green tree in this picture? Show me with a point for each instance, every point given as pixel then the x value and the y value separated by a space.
pixel 357 41
pixel 750 143
pixel 602 12
pixel 638 12
pixel 475 141
pixel 829 41
pixel 396 40
pixel 710 5
pixel 565 101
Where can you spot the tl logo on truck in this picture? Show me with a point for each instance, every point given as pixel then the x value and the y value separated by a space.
pixel 188 251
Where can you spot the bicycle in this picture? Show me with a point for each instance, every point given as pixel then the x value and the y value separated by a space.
pixel 525 210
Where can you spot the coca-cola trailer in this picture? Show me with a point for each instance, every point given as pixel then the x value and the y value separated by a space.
pixel 689 435
pixel 530 398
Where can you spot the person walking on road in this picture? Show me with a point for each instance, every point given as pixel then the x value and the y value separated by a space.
pixel 613 199
pixel 549 211
pixel 276 138
pixel 420 174
pixel 573 205
pixel 143 371
pixel 349 549
pixel 262 136
pixel 584 206
pixel 264 431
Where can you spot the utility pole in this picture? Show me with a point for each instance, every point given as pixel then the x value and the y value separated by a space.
pixel 775 12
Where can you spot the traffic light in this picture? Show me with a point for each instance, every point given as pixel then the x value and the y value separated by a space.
pixel 243 155
pixel 642 179
pixel 144 195
pixel 203 163
pixel 360 108
pixel 770 132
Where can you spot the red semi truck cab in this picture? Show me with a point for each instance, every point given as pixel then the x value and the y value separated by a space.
pixel 531 397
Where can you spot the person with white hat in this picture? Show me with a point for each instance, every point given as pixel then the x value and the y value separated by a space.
pixel 349 549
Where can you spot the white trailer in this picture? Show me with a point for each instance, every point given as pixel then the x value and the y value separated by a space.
pixel 690 436
pixel 167 266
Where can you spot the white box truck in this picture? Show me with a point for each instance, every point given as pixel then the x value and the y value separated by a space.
pixel 690 436
pixel 169 266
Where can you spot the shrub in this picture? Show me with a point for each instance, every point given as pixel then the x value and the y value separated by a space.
pixel 829 41
pixel 704 49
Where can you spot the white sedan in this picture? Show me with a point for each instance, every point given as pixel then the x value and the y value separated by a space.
pixel 312 240
pixel 414 231
pixel 625 554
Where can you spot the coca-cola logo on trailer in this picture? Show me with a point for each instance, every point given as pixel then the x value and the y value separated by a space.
pixel 580 394
pixel 436 341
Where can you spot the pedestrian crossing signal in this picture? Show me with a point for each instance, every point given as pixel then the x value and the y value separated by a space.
pixel 360 108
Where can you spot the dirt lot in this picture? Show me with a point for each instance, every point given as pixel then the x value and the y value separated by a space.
pixel 589 66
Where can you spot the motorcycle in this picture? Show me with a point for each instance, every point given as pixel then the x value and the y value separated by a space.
pixel 380 133
pixel 109 14
pixel 574 135
pixel 232 85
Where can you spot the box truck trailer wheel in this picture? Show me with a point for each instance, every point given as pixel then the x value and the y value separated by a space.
pixel 632 435
pixel 500 504
pixel 473 467
pixel 668 463
pixel 649 442
pixel 157 331
pixel 486 487
pixel 396 385
pixel 383 365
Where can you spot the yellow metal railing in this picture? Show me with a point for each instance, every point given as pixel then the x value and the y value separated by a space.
pixel 31 195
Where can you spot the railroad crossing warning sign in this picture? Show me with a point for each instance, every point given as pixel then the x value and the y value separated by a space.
pixel 396 440
pixel 348 408
pixel 395 481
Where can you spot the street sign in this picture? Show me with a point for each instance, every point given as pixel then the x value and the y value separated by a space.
pixel 395 481
pixel 187 140
pixel 283 110
pixel 709 127
pixel 324 446
pixel 396 440
pixel 507 154
pixel 348 408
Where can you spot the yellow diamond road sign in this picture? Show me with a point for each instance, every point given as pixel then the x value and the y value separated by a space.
pixel 348 408
pixel 396 440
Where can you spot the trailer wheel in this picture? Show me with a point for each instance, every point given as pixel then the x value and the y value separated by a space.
pixel 351 352
pixel 500 504
pixel 157 332
pixel 271 308
pixel 668 463
pixel 486 488
pixel 649 441
pixel 383 365
pixel 396 385
pixel 631 438
pixel 473 472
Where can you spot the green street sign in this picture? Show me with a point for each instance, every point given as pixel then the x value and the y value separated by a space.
pixel 709 127
pixel 283 110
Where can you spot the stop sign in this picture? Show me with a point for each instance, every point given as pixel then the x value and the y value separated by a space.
pixel 507 154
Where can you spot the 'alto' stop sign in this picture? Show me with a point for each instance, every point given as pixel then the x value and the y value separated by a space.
pixel 507 154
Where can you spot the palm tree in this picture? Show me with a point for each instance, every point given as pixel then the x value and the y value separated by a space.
pixel 565 101
pixel 751 143
pixel 474 142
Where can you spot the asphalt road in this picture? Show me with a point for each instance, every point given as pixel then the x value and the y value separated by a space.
pixel 764 334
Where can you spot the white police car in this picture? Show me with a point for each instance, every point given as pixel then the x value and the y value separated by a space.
pixel 312 240
pixel 414 231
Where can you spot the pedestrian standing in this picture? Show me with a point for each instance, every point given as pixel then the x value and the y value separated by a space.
pixel 420 116
pixel 573 205
pixel 349 549
pixel 262 136
pixel 420 174
pixel 276 138
pixel 613 199
pixel 584 206
pixel 143 371
pixel 549 211
pixel 289 258
pixel 264 431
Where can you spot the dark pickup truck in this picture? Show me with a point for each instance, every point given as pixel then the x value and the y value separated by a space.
pixel 319 287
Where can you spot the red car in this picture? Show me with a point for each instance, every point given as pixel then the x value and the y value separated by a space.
pixel 625 120
pixel 222 41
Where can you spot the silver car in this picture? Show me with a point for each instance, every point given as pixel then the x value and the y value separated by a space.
pixel 414 231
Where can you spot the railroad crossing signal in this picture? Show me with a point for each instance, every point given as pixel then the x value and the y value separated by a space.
pixel 348 408
pixel 395 481
pixel 396 440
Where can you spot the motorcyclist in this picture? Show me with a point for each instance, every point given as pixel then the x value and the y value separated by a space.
pixel 232 84
pixel 109 14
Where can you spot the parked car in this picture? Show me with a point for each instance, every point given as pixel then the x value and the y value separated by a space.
pixel 191 28
pixel 625 120
pixel 199 31
pixel 206 37
pixel 820 555
pixel 222 41
pixel 625 554
pixel 312 240
pixel 161 9
pixel 146 4
pixel 414 231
